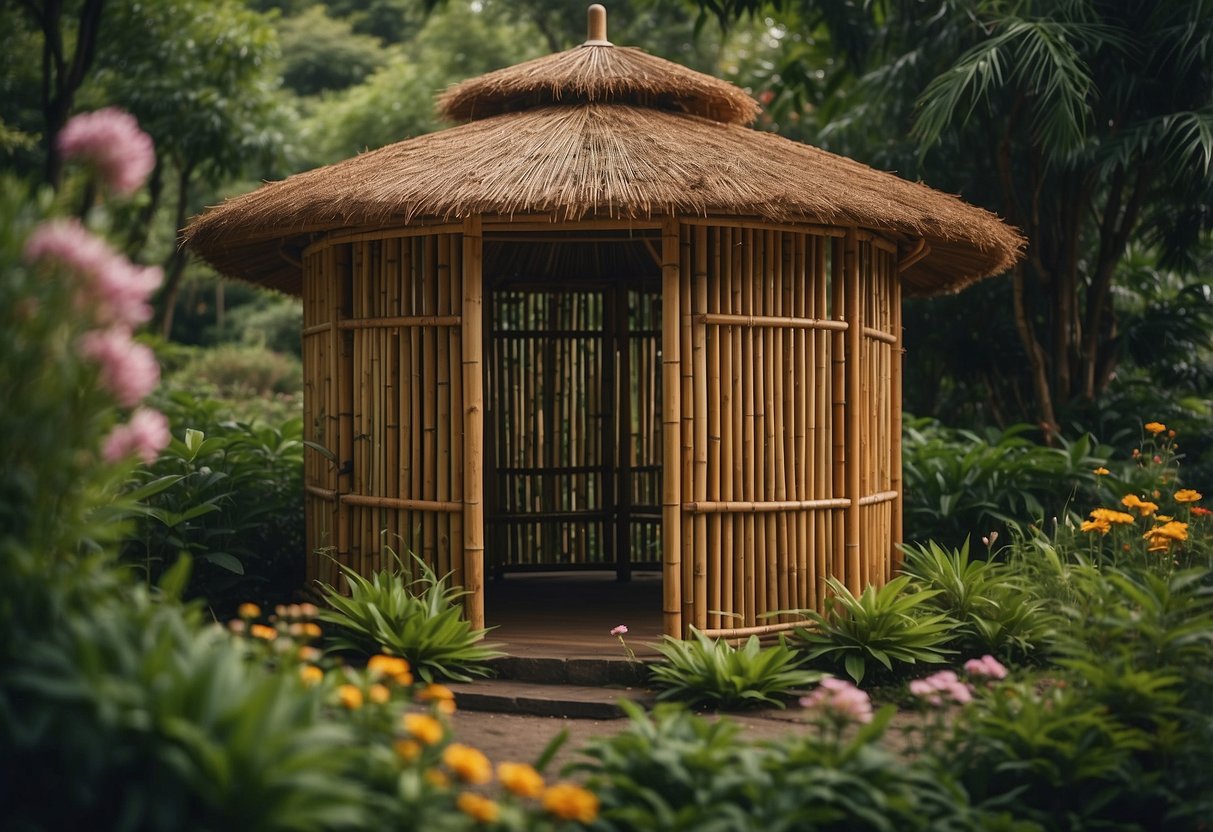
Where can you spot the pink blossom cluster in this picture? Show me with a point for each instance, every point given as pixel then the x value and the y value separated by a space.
pixel 117 289
pixel 111 141
pixel 128 369
pixel 987 667
pixel 940 688
pixel 621 630
pixel 144 436
pixel 839 699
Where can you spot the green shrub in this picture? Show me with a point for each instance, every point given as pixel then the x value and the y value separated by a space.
pixel 239 371
pixel 994 609
pixel 419 618
pixel 702 670
pixel 887 625
pixel 959 483
pixel 231 495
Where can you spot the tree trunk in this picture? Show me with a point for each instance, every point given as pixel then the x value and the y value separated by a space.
pixel 174 267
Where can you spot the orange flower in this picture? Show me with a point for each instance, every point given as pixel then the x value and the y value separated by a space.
pixel 442 697
pixel 1101 526
pixel 394 667
pixel 1107 515
pixel 1201 511
pixel 311 675
pixel 477 807
pixel 1101 471
pixel 520 779
pixel 437 778
pixel 248 610
pixel 1174 530
pixel 1187 495
pixel 423 728
pixel 1155 427
pixel 1144 507
pixel 263 632
pixel 379 694
pixel 407 750
pixel 468 764
pixel 350 697
pixel 570 802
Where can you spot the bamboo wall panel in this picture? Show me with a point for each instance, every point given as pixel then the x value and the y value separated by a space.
pixel 760 336
pixel 383 388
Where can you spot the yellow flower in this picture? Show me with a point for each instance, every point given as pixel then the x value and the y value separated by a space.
pixel 407 750
pixel 424 728
pixel 1174 530
pixel 1101 526
pixel 570 802
pixel 379 694
pixel 1101 471
pixel 350 697
pixel 262 631
pixel 1155 427
pixel 1143 507
pixel 477 807
pixel 437 778
pixel 1163 518
pixel 309 654
pixel 311 630
pixel 248 610
pixel 1107 515
pixel 394 667
pixel 441 695
pixel 311 675
pixel 468 764
pixel 520 779
pixel 1187 495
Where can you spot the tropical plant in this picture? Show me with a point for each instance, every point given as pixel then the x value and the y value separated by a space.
pixel 417 617
pixel 198 497
pixel 887 625
pixel 994 609
pixel 703 670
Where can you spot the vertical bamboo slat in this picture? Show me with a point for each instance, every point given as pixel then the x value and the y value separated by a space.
pixel 473 421
pixel 854 332
pixel 699 294
pixel 671 503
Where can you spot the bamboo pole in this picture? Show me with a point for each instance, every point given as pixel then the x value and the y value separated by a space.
pixel 699 491
pixel 763 506
pixel 765 401
pixel 716 560
pixel 838 351
pixel 747 369
pixel 853 545
pixel 737 370
pixel 344 375
pixel 771 321
pixel 455 373
pixel 897 482
pixel 757 630
pixel 785 553
pixel 727 451
pixel 473 423
pixel 689 544
pixel 819 429
pixel 671 502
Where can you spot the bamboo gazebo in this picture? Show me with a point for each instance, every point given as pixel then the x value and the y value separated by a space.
pixel 603 323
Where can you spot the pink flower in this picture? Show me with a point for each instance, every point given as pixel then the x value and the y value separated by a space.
pixel 128 370
pixel 987 666
pixel 621 630
pixel 840 699
pixel 111 141
pixel 943 685
pixel 116 288
pixel 144 436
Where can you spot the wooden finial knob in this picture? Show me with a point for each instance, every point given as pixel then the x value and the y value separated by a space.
pixel 597 33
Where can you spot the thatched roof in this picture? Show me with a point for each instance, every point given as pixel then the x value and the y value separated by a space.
pixel 598 130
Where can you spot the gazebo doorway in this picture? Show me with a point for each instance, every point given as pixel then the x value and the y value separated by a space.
pixel 572 397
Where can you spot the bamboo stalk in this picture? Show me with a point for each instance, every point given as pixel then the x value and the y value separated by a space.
pixel 455 372
pixel 699 491
pixel 766 538
pixel 686 305
pixel 763 506
pixel 853 544
pixel 785 554
pixel 344 375
pixel 671 502
pixel 718 597
pixel 897 482
pixel 473 423
pixel 747 369
pixel 772 322
pixel 757 630
pixel 443 389
pixel 837 432
pixel 740 602
pixel 724 376
pixel 401 503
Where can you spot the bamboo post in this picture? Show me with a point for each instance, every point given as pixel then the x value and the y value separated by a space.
pixel 454 339
pixel 897 483
pixel 473 422
pixel 687 459
pixel 671 502
pixel 716 560
pixel 740 604
pixel 728 451
pixel 623 427
pixel 747 369
pixel 699 293
pixel 852 369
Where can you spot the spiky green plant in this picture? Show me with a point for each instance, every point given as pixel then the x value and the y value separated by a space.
pixel 417 617
pixel 887 625
pixel 704 670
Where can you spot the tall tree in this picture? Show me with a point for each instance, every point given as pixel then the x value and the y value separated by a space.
pixel 1086 123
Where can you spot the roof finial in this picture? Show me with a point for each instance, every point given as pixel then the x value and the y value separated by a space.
pixel 597 34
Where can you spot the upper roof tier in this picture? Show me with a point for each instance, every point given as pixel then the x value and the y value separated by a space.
pixel 599 130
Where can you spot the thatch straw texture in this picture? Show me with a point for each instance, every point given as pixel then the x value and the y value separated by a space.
pixel 591 159
pixel 597 74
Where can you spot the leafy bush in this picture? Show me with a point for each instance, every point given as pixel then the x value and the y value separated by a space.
pixel 419 618
pixel 886 625
pixel 676 771
pixel 994 610
pixel 711 671
pixel 231 495
pixel 959 483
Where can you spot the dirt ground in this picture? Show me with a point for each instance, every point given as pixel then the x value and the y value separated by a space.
pixel 520 738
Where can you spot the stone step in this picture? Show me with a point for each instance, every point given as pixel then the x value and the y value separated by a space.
pixel 559 670
pixel 572 701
